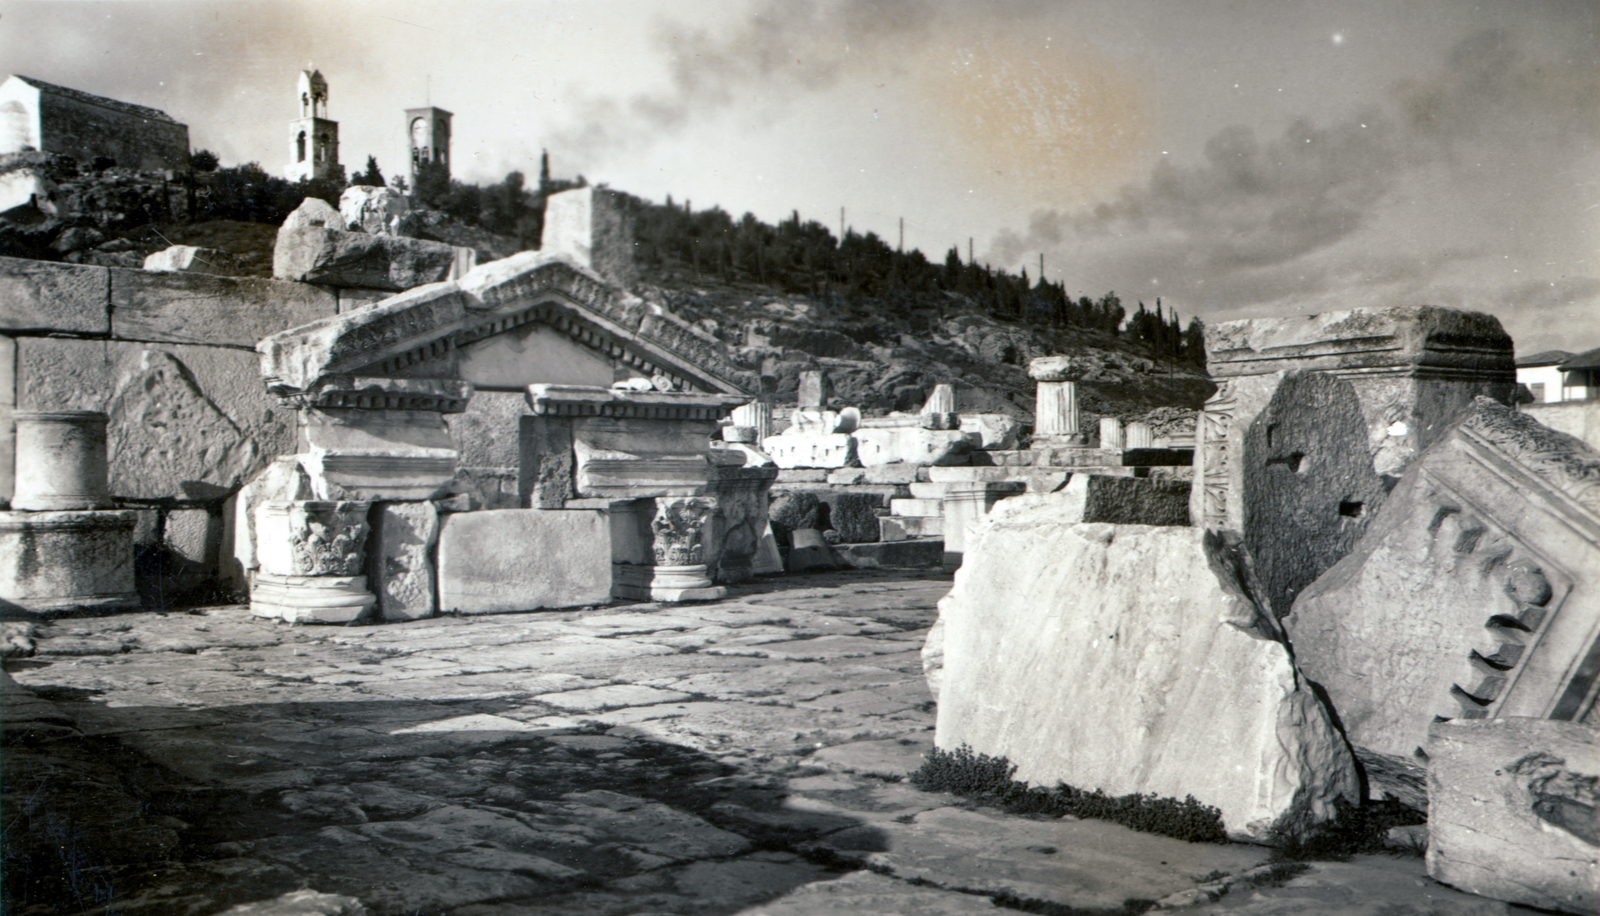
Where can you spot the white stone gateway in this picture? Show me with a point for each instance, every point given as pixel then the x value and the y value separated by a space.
pixel 1129 658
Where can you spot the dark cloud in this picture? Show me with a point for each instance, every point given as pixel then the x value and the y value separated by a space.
pixel 785 48
pixel 1330 215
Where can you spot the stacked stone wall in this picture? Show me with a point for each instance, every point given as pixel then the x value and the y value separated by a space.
pixel 85 131
pixel 170 357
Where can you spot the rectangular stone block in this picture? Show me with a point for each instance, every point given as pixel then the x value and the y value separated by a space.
pixel 920 554
pixel 8 427
pixel 903 528
pixel 546 475
pixel 44 297
pixel 1131 659
pixel 1511 811
pixel 165 307
pixel 922 507
pixel 914 446
pixel 811 450
pixel 802 475
pixel 400 559
pixel 523 559
pixel 337 258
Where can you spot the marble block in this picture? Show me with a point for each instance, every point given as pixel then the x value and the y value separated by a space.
pixel 505 560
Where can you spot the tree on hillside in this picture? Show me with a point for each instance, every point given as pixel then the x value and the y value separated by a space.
pixel 371 177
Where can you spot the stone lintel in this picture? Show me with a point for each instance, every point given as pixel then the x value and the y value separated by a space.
pixel 587 401
pixel 1413 341
pixel 363 393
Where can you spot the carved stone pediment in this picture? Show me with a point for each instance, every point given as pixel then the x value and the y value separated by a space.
pixel 420 333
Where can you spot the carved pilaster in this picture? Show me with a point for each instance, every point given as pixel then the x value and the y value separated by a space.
pixel 1209 506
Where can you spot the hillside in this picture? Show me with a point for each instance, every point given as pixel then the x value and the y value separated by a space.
pixel 887 325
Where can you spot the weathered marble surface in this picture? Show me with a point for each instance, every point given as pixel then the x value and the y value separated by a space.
pixel 1511 811
pixel 1131 658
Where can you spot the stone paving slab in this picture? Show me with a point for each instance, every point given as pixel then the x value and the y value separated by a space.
pixel 739 756
pixel 1066 861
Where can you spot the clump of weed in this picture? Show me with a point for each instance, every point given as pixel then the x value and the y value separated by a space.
pixel 990 780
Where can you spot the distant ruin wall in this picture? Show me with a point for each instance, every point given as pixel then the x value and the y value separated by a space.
pixel 170 357
pixel 84 131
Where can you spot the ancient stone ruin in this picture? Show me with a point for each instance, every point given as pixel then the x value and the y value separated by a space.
pixel 1390 596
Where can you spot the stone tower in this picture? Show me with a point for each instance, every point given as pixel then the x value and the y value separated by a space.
pixel 429 133
pixel 313 139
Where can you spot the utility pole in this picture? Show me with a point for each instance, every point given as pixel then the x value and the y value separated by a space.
pixel 841 225
pixel 902 234
pixel 969 250
pixel 1041 267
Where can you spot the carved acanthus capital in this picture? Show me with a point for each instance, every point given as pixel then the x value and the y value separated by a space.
pixel 679 529
pixel 312 537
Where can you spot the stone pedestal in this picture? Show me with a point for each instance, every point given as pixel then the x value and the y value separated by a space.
pixel 1412 369
pixel 312 555
pixel 61 461
pixel 63 561
pixel 1314 417
pixel 757 414
pixel 311 599
pixel 378 452
pixel 1111 435
pixel 1055 409
pixel 1139 435
pixel 814 391
pixel 663 556
pixel 966 504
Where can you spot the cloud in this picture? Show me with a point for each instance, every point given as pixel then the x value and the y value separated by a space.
pixel 784 48
pixel 1457 182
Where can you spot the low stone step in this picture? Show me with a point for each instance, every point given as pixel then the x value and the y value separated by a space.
pixel 970 474
pixel 929 490
pixel 933 507
pixel 921 553
pixel 901 528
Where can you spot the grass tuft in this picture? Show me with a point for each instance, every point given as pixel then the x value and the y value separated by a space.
pixel 990 780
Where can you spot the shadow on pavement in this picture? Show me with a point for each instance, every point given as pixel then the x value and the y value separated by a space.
pixel 414 807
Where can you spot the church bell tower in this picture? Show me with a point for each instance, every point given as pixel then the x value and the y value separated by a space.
pixel 313 139
pixel 429 133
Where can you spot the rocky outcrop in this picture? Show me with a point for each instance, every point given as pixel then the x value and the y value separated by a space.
pixel 1134 659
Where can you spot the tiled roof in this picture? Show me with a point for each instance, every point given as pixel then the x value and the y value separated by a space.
pixel 1544 358
pixel 1588 359
pixel 149 114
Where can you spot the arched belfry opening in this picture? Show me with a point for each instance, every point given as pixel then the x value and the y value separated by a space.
pixel 314 138
pixel 428 130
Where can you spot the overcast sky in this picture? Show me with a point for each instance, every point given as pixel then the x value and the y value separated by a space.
pixel 1235 158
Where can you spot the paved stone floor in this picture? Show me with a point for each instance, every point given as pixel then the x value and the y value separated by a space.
pixel 738 756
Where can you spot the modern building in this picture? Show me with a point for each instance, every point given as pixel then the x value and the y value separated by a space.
pixel 313 138
pixel 1557 375
pixel 42 116
pixel 429 133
